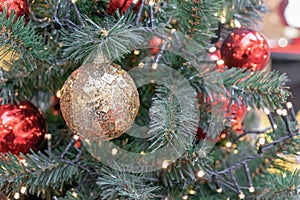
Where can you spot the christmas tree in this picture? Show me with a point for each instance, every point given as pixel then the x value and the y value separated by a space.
pixel 136 99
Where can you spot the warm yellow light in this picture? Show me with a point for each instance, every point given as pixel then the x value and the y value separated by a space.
pixel 289 105
pixel 76 137
pixel 219 190
pixel 242 195
pixel 212 49
pixel 136 52
pixel 261 140
pixel 236 151
pixel 17 195
pixel 142 153
pixel 228 144
pixel 251 189
pixel 192 192
pixel 114 151
pixel 220 62
pixel 185 197
pixel 165 164
pixel 267 111
pixel 200 174
pixel 154 66
pixel 75 194
pixel 58 94
pixel 23 189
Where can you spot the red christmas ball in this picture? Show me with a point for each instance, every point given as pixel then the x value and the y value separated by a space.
pixel 245 48
pixel 22 126
pixel 237 114
pixel 20 7
pixel 155 43
pixel 121 5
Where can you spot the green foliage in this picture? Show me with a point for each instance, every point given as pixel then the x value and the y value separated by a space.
pixel 280 186
pixel 115 183
pixel 38 173
pixel 261 89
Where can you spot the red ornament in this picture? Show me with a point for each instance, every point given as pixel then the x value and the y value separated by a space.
pixel 22 126
pixel 245 48
pixel 121 5
pixel 237 114
pixel 20 7
pixel 155 44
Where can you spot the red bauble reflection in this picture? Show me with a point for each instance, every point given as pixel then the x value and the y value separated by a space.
pixel 245 48
pixel 22 127
pixel 155 44
pixel 20 7
pixel 237 114
pixel 121 5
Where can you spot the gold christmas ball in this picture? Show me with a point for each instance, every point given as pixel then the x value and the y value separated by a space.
pixel 99 101
pixel 7 58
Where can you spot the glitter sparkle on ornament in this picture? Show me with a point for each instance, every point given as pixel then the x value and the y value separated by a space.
pixel 99 101
pixel 245 48
pixel 22 127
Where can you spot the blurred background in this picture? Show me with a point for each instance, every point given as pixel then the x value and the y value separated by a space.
pixel 282 28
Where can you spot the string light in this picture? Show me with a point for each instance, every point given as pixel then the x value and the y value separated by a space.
pixel 48 136
pixel 228 144
pixel 236 151
pixel 75 137
pixel 154 66
pixel 241 195
pixel 262 140
pixel 200 174
pixel 17 195
pixel 219 190
pixel 142 153
pixel 23 190
pixel 136 52
pixel 212 49
pixel 185 197
pixel 284 112
pixel 251 189
pixel 267 111
pixel 58 94
pixel 289 105
pixel 165 164
pixel 114 151
pixel 75 194
pixel 279 111
pixel 192 192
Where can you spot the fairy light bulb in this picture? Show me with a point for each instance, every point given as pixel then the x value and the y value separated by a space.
pixel 219 190
pixel 289 105
pixel 114 151
pixel 192 192
pixel 251 189
pixel 212 49
pixel 58 94
pixel 200 174
pixel 228 144
pixel 284 112
pixel 17 195
pixel 76 137
pixel 262 140
pixel 165 164
pixel 23 190
pixel 241 195
pixel 267 111
pixel 185 197
pixel 279 111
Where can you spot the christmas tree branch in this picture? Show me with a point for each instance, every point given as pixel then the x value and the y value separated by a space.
pixel 260 89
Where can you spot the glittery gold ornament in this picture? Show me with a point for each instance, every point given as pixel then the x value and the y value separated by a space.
pixel 99 101
pixel 7 58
